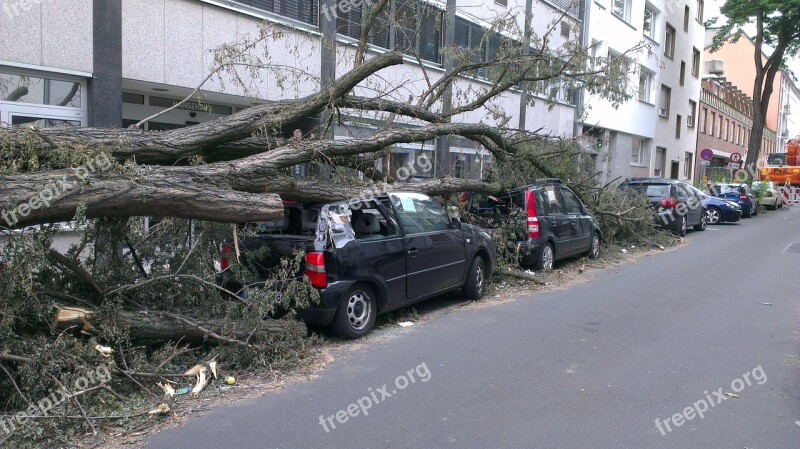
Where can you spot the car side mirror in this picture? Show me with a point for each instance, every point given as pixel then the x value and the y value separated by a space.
pixel 455 223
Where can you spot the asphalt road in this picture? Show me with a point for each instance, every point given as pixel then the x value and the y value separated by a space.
pixel 592 366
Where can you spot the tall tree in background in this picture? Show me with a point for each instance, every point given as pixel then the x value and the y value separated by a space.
pixel 777 26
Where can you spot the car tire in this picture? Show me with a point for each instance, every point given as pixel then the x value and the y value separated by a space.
pixel 545 262
pixel 713 215
pixel 357 311
pixel 681 231
pixel 594 247
pixel 476 280
pixel 702 225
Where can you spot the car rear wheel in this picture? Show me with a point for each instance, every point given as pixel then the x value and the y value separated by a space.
pixel 681 231
pixel 713 215
pixel 702 225
pixel 545 262
pixel 356 314
pixel 594 248
pixel 476 280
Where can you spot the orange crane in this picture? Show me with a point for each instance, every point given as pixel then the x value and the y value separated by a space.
pixel 784 168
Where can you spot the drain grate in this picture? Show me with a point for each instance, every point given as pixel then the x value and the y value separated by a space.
pixel 792 248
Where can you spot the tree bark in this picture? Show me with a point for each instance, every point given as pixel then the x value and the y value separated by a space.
pixel 163 326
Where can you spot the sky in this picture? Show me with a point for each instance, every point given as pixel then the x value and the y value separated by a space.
pixel 712 10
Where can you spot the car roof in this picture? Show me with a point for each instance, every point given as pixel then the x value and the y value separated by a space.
pixel 651 181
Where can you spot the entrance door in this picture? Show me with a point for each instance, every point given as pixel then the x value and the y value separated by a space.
pixel 675 170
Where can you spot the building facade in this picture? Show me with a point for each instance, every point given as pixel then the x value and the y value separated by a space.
pixel 737 59
pixel 725 121
pixel 654 133
pixel 112 63
pixel 788 112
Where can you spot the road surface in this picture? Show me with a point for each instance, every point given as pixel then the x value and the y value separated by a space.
pixel 592 366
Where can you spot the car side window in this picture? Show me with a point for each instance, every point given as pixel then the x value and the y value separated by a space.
pixel 418 213
pixel 369 223
pixel 680 192
pixel 555 204
pixel 571 202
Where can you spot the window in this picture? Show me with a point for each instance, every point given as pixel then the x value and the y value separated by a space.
pixel 370 224
pixel 43 91
pixel 712 124
pixel 669 41
pixel 572 204
pixel 650 21
pixel 683 73
pixel 645 85
pixel 419 214
pixel 700 7
pixel 663 101
pixel 415 28
pixel 690 116
pixel 687 165
pixel 719 127
pixel 301 10
pixel 678 126
pixel 640 152
pixel 564 29
pixel 725 130
pixel 695 62
pixel 622 9
pixel 702 123
pixel 686 18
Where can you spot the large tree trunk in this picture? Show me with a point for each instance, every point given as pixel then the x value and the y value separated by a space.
pixel 762 91
pixel 163 326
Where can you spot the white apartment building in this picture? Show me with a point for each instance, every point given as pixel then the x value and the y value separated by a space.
pixel 111 63
pixel 653 134
pixel 788 112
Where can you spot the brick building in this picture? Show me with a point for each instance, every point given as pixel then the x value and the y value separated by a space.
pixel 725 120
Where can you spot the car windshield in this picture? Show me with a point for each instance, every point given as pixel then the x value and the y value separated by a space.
pixel 776 159
pixel 726 188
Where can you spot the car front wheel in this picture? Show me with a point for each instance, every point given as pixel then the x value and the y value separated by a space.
pixel 713 216
pixel 476 280
pixel 356 314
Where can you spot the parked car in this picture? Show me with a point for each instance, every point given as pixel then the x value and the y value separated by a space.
pixel 739 193
pixel 719 210
pixel 557 224
pixel 773 198
pixel 675 205
pixel 374 256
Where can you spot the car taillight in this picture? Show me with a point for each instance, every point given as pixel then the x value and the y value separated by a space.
pixel 315 269
pixel 533 220
pixel 464 197
pixel 742 197
pixel 669 203
pixel 223 262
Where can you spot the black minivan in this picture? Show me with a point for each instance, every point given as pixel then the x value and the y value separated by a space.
pixel 559 225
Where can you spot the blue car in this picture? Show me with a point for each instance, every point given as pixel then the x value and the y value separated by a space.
pixel 719 210
pixel 738 193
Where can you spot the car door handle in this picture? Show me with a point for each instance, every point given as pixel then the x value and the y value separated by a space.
pixel 413 252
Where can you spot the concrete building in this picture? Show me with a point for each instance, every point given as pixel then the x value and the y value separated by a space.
pixel 654 133
pixel 725 121
pixel 111 63
pixel 788 112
